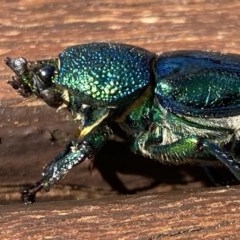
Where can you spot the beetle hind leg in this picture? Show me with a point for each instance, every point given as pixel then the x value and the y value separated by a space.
pixel 224 157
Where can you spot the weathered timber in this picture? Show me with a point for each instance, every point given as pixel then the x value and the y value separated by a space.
pixel 208 214
pixel 31 134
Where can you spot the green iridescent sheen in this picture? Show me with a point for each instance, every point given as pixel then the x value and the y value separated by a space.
pixel 106 72
pixel 199 83
pixel 178 107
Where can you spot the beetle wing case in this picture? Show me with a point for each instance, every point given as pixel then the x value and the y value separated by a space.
pixel 198 83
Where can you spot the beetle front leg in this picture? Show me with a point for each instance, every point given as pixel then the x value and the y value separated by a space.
pixel 74 154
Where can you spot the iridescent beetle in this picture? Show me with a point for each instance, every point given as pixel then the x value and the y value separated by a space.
pixel 176 107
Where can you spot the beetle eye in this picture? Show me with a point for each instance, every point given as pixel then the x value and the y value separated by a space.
pixel 42 79
pixel 45 74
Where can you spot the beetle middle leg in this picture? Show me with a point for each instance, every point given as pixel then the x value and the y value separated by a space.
pixel 180 151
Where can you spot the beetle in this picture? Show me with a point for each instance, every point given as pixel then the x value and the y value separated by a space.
pixel 176 107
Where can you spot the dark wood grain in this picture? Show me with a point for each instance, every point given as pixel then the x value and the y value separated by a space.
pixel 31 133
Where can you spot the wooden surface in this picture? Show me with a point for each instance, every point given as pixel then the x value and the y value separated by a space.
pixel 180 215
pixel 31 134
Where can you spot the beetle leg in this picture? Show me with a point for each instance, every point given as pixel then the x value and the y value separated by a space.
pixel 180 151
pixel 224 157
pixel 74 154
pixel 177 152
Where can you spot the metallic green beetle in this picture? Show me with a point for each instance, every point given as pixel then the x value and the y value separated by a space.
pixel 176 107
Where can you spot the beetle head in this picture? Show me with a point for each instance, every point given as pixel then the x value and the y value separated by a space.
pixel 38 78
pixel 35 78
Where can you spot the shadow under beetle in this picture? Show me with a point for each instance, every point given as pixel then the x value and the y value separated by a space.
pixel 176 107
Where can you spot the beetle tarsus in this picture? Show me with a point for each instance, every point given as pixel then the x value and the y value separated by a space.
pixel 29 194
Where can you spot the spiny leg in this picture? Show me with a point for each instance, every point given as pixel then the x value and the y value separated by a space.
pixel 74 154
pixel 189 146
pixel 176 152
pixel 224 157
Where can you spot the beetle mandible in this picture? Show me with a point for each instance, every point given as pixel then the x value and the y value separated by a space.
pixel 176 107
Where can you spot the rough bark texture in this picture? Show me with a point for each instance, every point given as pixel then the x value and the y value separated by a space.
pixel 31 133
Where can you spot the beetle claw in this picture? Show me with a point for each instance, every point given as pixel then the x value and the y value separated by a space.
pixel 29 194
